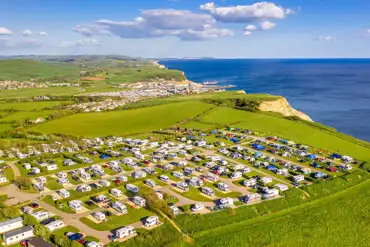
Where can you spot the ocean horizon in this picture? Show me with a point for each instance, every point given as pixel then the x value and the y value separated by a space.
pixel 332 91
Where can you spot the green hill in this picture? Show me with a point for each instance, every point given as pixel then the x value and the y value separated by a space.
pixel 25 69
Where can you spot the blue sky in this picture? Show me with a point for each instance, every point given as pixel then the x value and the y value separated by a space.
pixel 187 28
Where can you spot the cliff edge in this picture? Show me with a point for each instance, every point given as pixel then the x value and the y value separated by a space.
pixel 282 106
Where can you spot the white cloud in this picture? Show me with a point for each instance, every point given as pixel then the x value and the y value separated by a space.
pixel 208 33
pixel 5 31
pixel 27 32
pixel 19 44
pixel 250 28
pixel 326 38
pixel 43 33
pixel 82 42
pixel 267 25
pixel 247 33
pixel 246 13
pixel 159 23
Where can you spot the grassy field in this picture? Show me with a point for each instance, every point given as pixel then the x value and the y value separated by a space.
pixel 30 106
pixel 5 127
pixel 298 132
pixel 118 76
pixel 32 92
pixel 114 221
pixel 26 69
pixel 124 122
pixel 31 115
pixel 339 220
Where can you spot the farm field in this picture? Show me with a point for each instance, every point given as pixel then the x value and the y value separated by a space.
pixel 32 115
pixel 146 73
pixel 124 122
pixel 30 106
pixel 26 69
pixel 288 129
pixel 320 223
pixel 32 92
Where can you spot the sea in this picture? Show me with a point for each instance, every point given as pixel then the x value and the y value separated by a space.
pixel 335 92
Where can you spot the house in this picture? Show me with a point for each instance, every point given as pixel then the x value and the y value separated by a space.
pixel 197 207
pixel 175 210
pixel 346 167
pixel 250 182
pixel 150 183
pixel 298 178
pixel 266 180
pixel 282 171
pixel 212 177
pixel 122 178
pixel 41 180
pixel 100 199
pixel 151 221
pixel 282 187
pixel 63 193
pixel 119 207
pixel 83 188
pixel 62 175
pixel 63 181
pixel 75 205
pixel 116 192
pixel 182 185
pixel 99 216
pixel 225 202
pixel 41 215
pixel 68 162
pixel 125 232
pixel 11 224
pixel 269 193
pixel 306 170
pixel 52 167
pixel 35 170
pixel 159 195
pixel 251 198
pixel 139 201
pixel 132 188
pixel 104 183
pixel 38 242
pixel 222 186
pixel 139 174
pixel 27 166
pixel 18 235
pixel 236 175
pixel 208 191
pixel 55 225
pixel 177 174
pixel 196 182
pixel 85 175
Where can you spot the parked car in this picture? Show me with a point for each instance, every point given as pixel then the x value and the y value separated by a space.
pixel 34 205
pixel 47 221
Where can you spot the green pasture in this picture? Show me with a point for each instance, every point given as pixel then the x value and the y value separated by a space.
pixel 124 122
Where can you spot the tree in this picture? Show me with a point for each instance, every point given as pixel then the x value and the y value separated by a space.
pixel 29 220
pixel 42 231
pixel 23 183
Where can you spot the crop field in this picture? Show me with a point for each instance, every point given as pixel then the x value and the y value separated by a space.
pixel 25 69
pixel 30 106
pixel 288 129
pixel 32 92
pixel 319 223
pixel 124 122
